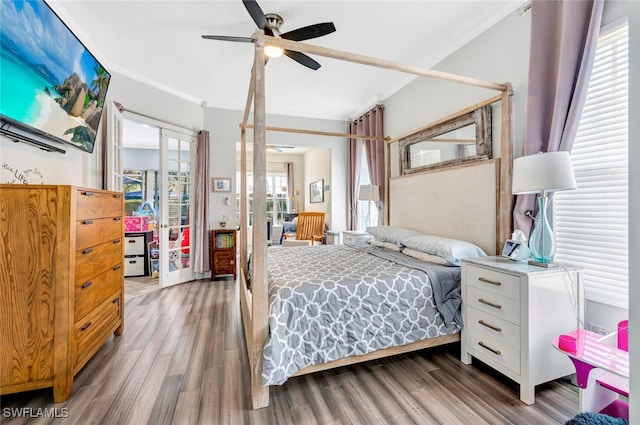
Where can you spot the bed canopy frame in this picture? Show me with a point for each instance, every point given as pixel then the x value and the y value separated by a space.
pixel 254 302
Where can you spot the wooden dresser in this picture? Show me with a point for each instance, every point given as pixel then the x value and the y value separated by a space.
pixel 61 281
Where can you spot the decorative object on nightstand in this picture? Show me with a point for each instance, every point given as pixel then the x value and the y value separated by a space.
pixel 223 252
pixel 512 311
pixel 542 173
pixel 368 193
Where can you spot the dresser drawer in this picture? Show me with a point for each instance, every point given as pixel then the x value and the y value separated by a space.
pixel 91 232
pixel 494 304
pixel 91 293
pixel 90 262
pixel 487 348
pixel 90 204
pixel 500 329
pixel 492 281
pixel 91 332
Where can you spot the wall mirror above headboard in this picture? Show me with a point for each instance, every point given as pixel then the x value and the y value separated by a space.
pixel 463 138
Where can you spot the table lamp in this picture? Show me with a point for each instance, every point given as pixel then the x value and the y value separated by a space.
pixel 369 192
pixel 542 173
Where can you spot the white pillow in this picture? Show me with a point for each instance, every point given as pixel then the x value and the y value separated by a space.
pixel 451 250
pixel 388 245
pixel 424 256
pixel 393 234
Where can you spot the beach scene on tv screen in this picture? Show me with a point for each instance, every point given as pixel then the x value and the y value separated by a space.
pixel 48 79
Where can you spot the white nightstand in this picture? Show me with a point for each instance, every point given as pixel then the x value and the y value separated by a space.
pixel 511 313
pixel 352 237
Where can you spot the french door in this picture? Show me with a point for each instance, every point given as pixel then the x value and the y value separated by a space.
pixel 177 188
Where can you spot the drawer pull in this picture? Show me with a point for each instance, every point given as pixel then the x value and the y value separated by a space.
pixel 231 262
pixel 492 282
pixel 88 251
pixel 87 222
pixel 87 284
pixel 117 267
pixel 85 326
pixel 495 328
pixel 131 241
pixel 117 196
pixel 489 303
pixel 132 261
pixel 116 300
pixel 117 218
pixel 87 193
pixel 493 350
pixel 116 241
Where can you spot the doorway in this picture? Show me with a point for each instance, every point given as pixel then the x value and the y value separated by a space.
pixel 156 180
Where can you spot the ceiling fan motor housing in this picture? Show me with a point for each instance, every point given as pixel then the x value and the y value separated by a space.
pixel 274 21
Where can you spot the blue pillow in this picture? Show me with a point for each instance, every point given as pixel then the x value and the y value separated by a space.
pixel 452 250
pixel 393 234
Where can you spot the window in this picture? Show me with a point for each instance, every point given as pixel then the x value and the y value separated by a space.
pixel 277 200
pixel 591 222
pixel 366 208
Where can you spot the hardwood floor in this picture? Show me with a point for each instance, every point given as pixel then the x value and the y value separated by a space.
pixel 181 360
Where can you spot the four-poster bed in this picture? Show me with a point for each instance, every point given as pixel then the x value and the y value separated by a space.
pixel 486 214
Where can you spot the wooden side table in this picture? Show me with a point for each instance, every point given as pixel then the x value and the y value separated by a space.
pixel 223 253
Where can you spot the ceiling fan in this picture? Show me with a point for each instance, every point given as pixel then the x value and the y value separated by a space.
pixel 271 23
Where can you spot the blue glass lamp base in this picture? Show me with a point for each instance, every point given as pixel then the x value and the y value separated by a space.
pixel 541 241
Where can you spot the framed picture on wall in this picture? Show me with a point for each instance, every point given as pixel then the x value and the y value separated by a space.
pixel 316 191
pixel 221 184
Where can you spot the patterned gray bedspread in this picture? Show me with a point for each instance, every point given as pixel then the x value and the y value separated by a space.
pixel 334 301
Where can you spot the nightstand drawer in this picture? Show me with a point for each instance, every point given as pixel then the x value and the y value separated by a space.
pixel 500 329
pixel 494 304
pixel 492 281
pixel 486 347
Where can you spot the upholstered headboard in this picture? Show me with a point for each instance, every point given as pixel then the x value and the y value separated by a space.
pixel 458 203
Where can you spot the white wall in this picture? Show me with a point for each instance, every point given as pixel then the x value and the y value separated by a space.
pixel 318 166
pixel 500 54
pixel 223 125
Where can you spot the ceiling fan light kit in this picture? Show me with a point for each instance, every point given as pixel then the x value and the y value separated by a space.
pixel 271 23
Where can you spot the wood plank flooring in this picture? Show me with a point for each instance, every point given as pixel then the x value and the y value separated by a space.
pixel 181 360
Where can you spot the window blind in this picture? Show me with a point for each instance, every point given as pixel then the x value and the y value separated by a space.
pixel 591 222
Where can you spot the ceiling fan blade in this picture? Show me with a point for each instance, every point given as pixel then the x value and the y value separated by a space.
pixel 256 13
pixel 311 31
pixel 228 38
pixel 302 59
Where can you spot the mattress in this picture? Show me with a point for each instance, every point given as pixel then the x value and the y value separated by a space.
pixel 333 301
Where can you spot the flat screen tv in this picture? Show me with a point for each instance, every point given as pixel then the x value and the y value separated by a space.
pixel 50 84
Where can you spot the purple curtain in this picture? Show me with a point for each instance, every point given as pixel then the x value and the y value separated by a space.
pixel 372 123
pixel 355 152
pixel 201 213
pixel 288 169
pixel 564 36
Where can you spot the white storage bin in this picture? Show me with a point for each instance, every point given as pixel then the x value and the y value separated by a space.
pixel 134 266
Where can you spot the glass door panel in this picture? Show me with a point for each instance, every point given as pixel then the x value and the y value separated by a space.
pixel 176 194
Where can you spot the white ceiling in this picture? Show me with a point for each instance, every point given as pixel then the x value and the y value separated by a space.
pixel 158 42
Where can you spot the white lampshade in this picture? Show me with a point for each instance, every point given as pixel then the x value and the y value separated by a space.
pixel 369 192
pixel 543 172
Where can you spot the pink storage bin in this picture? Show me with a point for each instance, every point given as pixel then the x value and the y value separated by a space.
pixel 136 224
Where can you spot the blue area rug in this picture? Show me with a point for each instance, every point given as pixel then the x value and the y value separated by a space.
pixel 596 419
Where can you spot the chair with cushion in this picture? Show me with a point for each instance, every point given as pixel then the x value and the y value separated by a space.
pixel 309 230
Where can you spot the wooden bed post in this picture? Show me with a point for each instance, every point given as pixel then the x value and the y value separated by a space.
pixel 243 203
pixel 259 290
pixel 505 202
